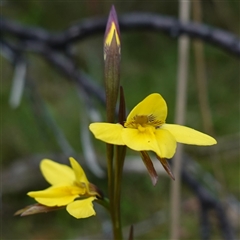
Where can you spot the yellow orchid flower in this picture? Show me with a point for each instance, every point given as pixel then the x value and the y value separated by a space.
pixel 145 130
pixel 68 184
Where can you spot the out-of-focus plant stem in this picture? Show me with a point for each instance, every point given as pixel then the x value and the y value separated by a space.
pixel 184 10
pixel 201 74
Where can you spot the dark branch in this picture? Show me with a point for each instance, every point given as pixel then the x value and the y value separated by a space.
pixel 131 21
pixel 208 202
pixel 57 59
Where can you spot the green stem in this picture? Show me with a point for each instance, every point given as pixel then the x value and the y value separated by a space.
pixel 105 203
pixel 110 153
pixel 120 156
pixel 112 57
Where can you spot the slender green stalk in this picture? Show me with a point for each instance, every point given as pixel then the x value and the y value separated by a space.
pixel 119 162
pixel 110 152
pixel 105 203
pixel 112 57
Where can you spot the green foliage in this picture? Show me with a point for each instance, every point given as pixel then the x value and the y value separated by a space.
pixel 149 64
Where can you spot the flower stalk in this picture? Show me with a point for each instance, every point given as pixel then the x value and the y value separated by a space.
pixel 119 162
pixel 112 57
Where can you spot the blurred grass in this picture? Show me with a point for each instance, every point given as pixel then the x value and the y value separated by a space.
pixel 149 63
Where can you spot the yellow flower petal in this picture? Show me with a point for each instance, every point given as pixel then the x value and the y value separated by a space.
pixel 82 208
pixel 108 132
pixel 78 171
pixel 140 140
pixel 187 135
pixel 57 196
pixel 112 32
pixel 166 143
pixel 56 173
pixel 153 104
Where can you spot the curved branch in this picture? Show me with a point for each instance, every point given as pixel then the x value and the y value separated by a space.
pixel 60 61
pixel 130 21
pixel 207 201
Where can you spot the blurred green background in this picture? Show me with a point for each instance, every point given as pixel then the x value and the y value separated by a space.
pixel 149 64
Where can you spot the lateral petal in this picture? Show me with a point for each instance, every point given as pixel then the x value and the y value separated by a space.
pixel 57 196
pixel 78 171
pixel 153 104
pixel 82 208
pixel 56 173
pixel 107 132
pixel 166 143
pixel 140 140
pixel 188 135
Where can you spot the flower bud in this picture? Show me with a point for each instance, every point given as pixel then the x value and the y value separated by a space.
pixel 112 56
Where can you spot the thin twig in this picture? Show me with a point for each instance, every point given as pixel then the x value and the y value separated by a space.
pixel 132 21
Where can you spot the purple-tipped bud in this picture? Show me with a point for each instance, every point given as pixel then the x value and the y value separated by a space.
pixel 112 63
pixel 112 33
